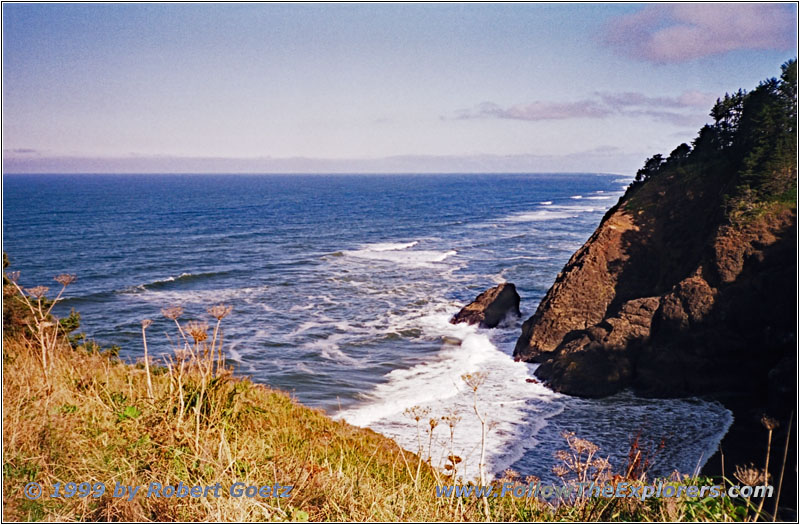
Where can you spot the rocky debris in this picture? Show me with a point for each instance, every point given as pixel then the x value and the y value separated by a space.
pixel 491 307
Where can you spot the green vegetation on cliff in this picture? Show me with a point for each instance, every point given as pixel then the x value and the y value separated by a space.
pixel 688 285
pixel 751 148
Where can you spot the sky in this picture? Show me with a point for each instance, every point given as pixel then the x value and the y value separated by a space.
pixel 372 87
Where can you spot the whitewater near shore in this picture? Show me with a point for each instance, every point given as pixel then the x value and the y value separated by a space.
pixel 342 289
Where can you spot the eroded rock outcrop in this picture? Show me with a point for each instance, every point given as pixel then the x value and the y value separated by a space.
pixel 688 285
pixel 491 307
pixel 667 301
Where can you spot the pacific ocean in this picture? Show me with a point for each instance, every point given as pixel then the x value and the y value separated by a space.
pixel 342 287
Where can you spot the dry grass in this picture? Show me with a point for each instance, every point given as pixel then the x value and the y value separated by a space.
pixel 76 415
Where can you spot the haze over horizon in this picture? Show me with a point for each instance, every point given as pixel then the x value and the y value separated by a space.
pixel 298 88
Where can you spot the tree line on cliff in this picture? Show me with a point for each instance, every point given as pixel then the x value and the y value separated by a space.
pixel 753 137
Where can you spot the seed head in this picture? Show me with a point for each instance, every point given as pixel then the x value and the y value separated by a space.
pixel 172 312
pixel 146 323
pixel 198 330
pixel 562 455
pixel 474 381
pixel 580 446
pixel 451 419
pixel 769 423
pixel 560 471
pixel 749 475
pixel 416 412
pixel 65 279
pixel 37 291
pixel 219 311
pixel 510 474
pixel 13 276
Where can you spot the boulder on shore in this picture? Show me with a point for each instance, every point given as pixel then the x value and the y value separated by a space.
pixel 491 307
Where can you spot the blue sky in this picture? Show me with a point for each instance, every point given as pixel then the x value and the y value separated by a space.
pixel 383 87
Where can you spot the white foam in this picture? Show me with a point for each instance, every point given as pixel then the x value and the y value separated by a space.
pixel 304 327
pixel 546 203
pixel 576 197
pixel 538 215
pixel 298 308
pixel 389 246
pixel 601 197
pixel 438 386
pixel 574 207
pixel 399 254
pixel 196 298
pixel 329 349
pixel 305 369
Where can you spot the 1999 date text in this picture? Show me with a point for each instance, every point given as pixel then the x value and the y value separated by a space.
pixel 157 490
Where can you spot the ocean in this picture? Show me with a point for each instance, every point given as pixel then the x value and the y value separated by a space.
pixel 342 287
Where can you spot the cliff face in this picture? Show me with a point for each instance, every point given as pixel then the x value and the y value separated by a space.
pixel 688 286
pixel 668 298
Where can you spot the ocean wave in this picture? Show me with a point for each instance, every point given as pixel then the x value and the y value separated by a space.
pixel 437 385
pixel 207 297
pixel 138 289
pixel 574 207
pixel 576 197
pixel 329 349
pixel 399 253
pixel 389 246
pixel 538 215
pixel 550 213
pixel 167 281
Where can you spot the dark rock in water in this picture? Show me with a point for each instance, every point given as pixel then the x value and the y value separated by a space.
pixel 532 380
pixel 491 307
pixel 455 341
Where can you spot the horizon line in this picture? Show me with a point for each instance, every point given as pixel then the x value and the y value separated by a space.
pixel 320 173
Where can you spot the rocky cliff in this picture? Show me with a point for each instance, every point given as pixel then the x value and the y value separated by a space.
pixel 668 298
pixel 688 285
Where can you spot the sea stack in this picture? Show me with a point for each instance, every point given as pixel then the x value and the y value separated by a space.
pixel 491 307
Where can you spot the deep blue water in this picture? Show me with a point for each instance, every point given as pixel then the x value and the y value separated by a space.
pixel 342 286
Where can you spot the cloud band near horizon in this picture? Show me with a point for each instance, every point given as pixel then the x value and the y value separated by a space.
pixel 682 110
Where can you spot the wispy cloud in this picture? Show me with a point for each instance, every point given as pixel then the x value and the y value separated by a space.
pixel 21 151
pixel 684 109
pixel 537 111
pixel 672 33
pixel 604 158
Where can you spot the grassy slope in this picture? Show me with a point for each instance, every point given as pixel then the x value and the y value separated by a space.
pixel 77 430
pixel 81 427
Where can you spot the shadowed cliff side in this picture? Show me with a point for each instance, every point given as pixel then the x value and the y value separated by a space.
pixel 688 285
